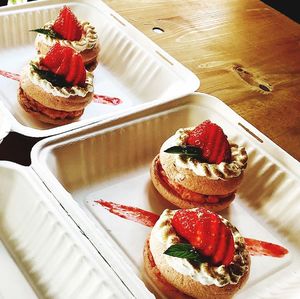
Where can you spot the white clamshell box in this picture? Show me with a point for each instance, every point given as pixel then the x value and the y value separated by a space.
pixel 131 67
pixel 56 242
pixel 110 160
pixel 42 252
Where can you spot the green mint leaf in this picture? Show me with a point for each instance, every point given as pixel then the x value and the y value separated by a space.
pixel 190 151
pixel 185 251
pixel 48 32
pixel 56 80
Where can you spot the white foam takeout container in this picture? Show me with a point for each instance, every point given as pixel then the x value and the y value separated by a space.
pixel 110 160
pixel 43 254
pixel 5 124
pixel 131 67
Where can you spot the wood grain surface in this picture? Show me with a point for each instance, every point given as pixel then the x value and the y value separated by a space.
pixel 244 52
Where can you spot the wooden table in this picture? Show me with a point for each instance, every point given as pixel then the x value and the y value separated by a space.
pixel 244 52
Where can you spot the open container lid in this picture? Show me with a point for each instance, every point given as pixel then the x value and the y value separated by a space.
pixel 111 160
pixel 5 123
pixel 132 67
pixel 43 254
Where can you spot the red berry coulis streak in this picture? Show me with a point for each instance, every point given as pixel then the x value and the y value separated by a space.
pixel 130 213
pixel 10 75
pixel 100 99
pixel 106 100
pixel 255 247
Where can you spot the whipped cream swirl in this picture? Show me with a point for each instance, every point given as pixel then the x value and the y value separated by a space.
pixel 222 171
pixel 88 40
pixel 206 274
pixel 64 92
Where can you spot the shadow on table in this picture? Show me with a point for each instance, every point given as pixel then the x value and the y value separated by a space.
pixel 16 148
pixel 287 7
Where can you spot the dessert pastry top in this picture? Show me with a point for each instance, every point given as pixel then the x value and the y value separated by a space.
pixel 88 40
pixel 195 253
pixel 35 77
pixel 61 72
pixel 205 272
pixel 200 167
pixel 68 31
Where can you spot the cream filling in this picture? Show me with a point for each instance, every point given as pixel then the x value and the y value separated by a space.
pixel 88 40
pixel 64 92
pixel 206 274
pixel 223 170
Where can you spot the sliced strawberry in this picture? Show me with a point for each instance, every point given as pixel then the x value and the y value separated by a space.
pixel 67 54
pixel 210 138
pixel 184 222
pixel 212 227
pixel 81 75
pixel 67 25
pixel 230 252
pixel 199 237
pixel 65 62
pixel 207 233
pixel 60 24
pixel 225 251
pixel 220 252
pixel 53 58
pixel 71 76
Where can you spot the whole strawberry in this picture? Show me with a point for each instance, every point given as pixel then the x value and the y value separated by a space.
pixel 206 232
pixel 212 141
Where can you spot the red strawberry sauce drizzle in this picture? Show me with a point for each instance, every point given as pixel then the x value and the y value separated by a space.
pixel 255 247
pixel 100 99
pixel 106 100
pixel 10 75
pixel 130 213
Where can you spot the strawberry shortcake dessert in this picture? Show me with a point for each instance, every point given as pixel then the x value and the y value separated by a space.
pixel 198 167
pixel 195 253
pixel 56 88
pixel 81 36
